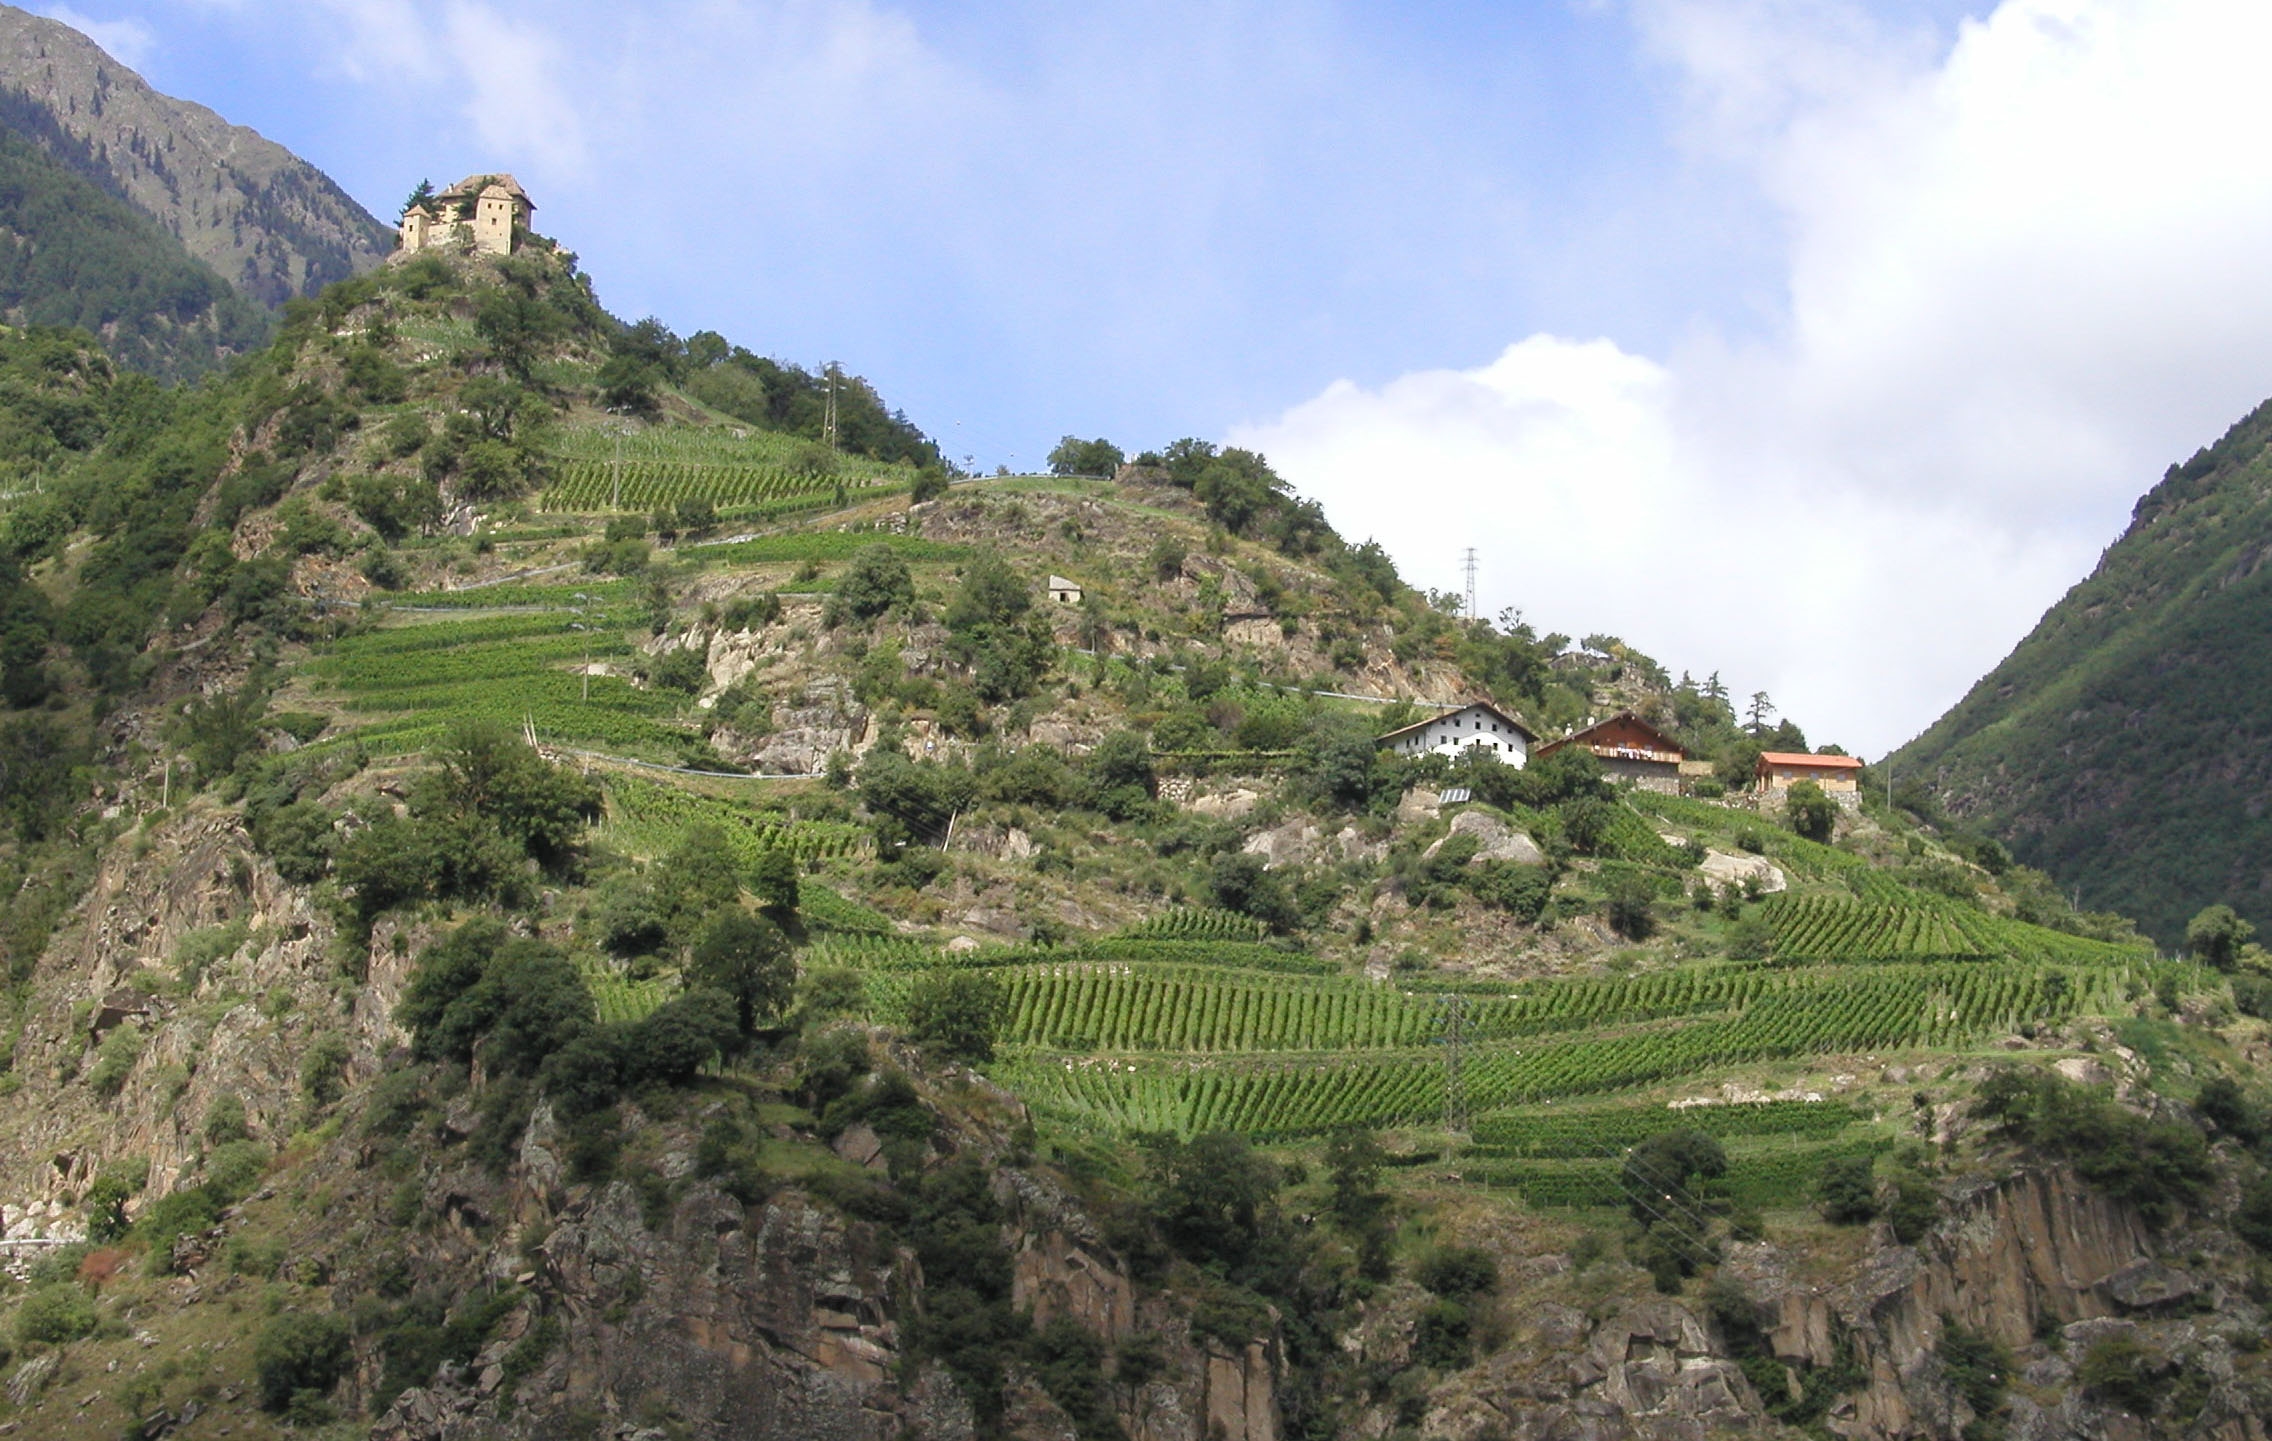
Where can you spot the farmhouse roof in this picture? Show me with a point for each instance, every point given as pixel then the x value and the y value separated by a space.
pixel 1801 758
pixel 1606 748
pixel 1058 582
pixel 1483 705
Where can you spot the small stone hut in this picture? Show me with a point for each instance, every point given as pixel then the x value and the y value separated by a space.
pixel 1063 591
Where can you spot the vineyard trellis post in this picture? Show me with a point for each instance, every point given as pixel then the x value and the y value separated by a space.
pixel 1454 1036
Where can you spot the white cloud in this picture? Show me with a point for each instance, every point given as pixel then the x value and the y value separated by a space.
pixel 2022 275
pixel 506 80
pixel 129 41
pixel 519 100
pixel 387 42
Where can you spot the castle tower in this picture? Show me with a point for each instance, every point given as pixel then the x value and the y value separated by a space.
pixel 493 215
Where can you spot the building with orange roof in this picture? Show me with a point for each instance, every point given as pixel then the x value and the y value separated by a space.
pixel 1839 776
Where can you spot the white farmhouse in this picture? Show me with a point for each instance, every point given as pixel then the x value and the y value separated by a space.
pixel 1478 723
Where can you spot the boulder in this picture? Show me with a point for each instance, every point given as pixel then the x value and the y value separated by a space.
pixel 2148 1285
pixel 1418 805
pixel 1292 844
pixel 1228 805
pixel 1495 839
pixel 1723 869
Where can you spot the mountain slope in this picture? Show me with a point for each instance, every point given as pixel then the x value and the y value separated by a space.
pixel 2125 745
pixel 74 254
pixel 268 222
pixel 368 1071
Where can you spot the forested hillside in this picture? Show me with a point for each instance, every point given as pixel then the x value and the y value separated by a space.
pixel 75 254
pixel 267 222
pixel 2125 746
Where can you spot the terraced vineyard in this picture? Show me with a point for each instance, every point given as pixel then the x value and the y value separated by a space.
pixel 509 669
pixel 1369 1071
pixel 647 818
pixel 1911 927
pixel 1580 1131
pixel 593 472
pixel 1185 923
pixel 618 997
pixel 1760 1177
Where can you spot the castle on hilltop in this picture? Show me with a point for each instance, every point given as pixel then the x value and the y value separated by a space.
pixel 484 212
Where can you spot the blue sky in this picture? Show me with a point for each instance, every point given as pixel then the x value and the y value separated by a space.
pixel 1818 344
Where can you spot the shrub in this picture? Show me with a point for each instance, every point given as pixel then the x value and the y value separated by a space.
pixel 1978 1369
pixel 1459 1272
pixel 1443 1338
pixel 1915 1209
pixel 54 1315
pixel 1811 813
pixel 298 1354
pixel 2121 1372
pixel 1631 906
pixel 225 1120
pixel 1244 884
pixel 2252 1220
pixel 1521 891
pixel 955 1015
pixel 323 1070
pixel 1661 1176
pixel 678 1038
pixel 876 580
pixel 115 1060
pixel 2156 1166
pixel 746 958
pixel 232 1169
pixel 1846 1190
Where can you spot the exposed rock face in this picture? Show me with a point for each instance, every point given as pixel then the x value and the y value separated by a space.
pixel 826 719
pixel 1495 839
pixel 271 224
pixel 120 961
pixel 783 1320
pixel 1302 842
pixel 2035 1255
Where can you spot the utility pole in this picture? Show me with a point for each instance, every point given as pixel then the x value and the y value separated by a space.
pixel 828 418
pixel 1469 564
pixel 581 602
pixel 1455 1063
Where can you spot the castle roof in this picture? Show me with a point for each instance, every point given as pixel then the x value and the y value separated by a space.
pixel 475 186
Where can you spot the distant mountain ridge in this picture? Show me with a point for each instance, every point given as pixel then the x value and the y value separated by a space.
pixel 270 224
pixel 2125 746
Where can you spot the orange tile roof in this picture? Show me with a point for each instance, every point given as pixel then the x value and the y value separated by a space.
pixel 1796 758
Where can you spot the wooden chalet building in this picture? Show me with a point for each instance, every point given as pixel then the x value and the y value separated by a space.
pixel 1478 724
pixel 1629 749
